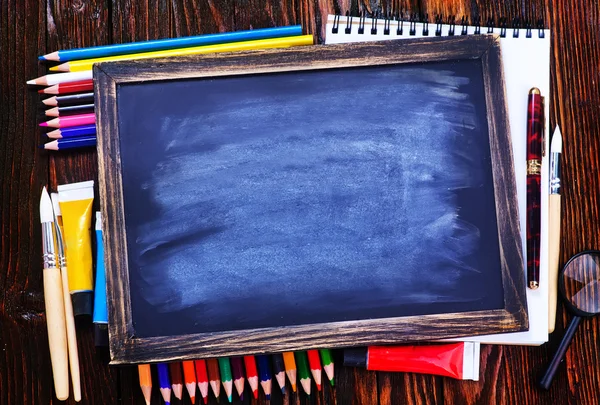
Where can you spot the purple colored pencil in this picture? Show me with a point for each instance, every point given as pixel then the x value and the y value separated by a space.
pixel 73 132
pixel 164 381
pixel 237 371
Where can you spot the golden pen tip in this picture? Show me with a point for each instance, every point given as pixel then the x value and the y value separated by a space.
pixel 535 90
pixel 534 285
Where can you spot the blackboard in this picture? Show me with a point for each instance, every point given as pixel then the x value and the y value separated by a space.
pixel 300 194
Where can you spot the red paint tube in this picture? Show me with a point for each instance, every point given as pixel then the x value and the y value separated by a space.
pixel 456 360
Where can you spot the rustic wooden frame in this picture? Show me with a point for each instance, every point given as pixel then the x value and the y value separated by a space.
pixel 125 347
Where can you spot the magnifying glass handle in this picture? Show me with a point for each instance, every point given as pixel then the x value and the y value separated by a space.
pixel 560 353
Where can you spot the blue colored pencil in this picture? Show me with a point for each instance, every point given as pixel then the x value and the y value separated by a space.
pixel 164 381
pixel 71 143
pixel 264 374
pixel 72 132
pixel 171 43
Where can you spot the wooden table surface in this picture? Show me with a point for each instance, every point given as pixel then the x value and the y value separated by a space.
pixel 29 28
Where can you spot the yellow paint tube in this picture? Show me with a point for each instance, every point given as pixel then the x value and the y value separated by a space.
pixel 76 206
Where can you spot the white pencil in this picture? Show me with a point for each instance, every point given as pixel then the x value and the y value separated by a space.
pixel 58 78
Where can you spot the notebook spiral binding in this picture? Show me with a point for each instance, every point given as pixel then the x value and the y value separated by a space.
pixel 407 25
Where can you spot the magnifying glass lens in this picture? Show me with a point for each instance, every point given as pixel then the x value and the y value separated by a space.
pixel 581 283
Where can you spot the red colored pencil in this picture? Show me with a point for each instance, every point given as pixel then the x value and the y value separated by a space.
pixel 70 121
pixel 252 374
pixel 189 376
pixel 237 369
pixel 202 377
pixel 176 379
pixel 314 362
pixel 214 378
pixel 65 88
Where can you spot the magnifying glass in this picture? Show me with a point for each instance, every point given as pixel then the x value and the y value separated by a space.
pixel 579 285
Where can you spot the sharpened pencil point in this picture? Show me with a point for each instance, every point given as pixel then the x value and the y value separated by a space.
pixel 332 384
pixel 43 124
pixel 283 390
pixel 318 387
pixel 229 398
pixel 268 397
pixel 32 81
pixel 242 397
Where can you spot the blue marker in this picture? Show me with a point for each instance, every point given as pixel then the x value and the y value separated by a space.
pixel 100 316
pixel 264 374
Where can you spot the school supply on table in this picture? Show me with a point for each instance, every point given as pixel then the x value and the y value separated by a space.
pixel 315 366
pixel 554 227
pixel 578 284
pixel 455 360
pixel 68 306
pixel 70 110
pixel 53 298
pixel 212 366
pixel 76 206
pixel 73 132
pixel 68 88
pixel 84 67
pixel 251 374
pixel 71 143
pixel 171 43
pixel 70 99
pixel 62 78
pixel 226 378
pixel 265 374
pixel 237 372
pixel 535 122
pixel 328 366
pixel 145 375
pixel 70 121
pixel 290 368
pixel 526 63
pixel 189 376
pixel 202 378
pixel 176 379
pixel 100 315
pixel 303 370
pixel 279 370
pixel 164 382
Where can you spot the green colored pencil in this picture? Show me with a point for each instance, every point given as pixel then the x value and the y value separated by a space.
pixel 303 371
pixel 327 362
pixel 226 378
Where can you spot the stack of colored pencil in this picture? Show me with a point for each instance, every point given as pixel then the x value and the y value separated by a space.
pixel 72 101
pixel 233 372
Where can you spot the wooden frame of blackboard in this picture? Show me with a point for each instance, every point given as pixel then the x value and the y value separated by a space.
pixel 125 347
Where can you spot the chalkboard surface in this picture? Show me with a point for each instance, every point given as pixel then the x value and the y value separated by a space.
pixel 307 197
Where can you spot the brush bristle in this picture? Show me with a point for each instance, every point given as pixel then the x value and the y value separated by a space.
pixel 46 213
pixel 55 204
pixel 556 145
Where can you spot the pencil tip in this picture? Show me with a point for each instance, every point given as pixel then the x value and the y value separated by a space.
pixel 283 390
pixel 41 57
pixel 331 381
pixel 242 397
pixel 43 124
pixel 319 387
pixel 32 81
pixel 268 397
pixel 205 399
pixel 229 398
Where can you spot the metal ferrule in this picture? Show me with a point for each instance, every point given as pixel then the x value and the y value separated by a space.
pixel 62 260
pixel 49 255
pixel 555 173
pixel 534 167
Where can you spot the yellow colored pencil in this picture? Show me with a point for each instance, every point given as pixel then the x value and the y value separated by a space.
pixel 285 42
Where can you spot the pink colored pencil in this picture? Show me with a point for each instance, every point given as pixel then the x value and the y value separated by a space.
pixel 70 121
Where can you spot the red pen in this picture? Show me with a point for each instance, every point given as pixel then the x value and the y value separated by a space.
pixel 535 125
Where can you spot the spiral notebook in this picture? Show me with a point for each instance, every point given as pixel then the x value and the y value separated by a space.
pixel 526 62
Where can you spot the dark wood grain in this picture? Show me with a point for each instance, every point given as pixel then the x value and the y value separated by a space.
pixel 28 28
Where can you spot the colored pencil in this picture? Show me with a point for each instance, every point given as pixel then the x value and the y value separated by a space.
pixel 202 378
pixel 265 374
pixel 85 65
pixel 212 365
pixel 72 132
pixel 189 376
pixel 71 99
pixel 176 379
pixel 70 110
pixel 303 372
pixel 164 381
pixel 68 88
pixel 279 370
pixel 145 381
pixel 251 374
pixel 314 361
pixel 226 379
pixel 290 368
pixel 327 361
pixel 171 43
pixel 70 121
pixel 59 78
pixel 71 143
pixel 237 371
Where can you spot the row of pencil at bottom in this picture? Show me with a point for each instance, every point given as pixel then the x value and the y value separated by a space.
pixel 235 371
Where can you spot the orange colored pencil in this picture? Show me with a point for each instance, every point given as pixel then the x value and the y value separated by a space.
pixel 202 378
pixel 189 375
pixel 212 366
pixel 145 381
pixel 290 368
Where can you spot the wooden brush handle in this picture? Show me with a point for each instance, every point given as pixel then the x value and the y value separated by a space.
pixel 71 336
pixel 553 257
pixel 57 336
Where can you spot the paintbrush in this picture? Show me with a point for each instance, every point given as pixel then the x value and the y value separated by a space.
pixel 53 297
pixel 554 231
